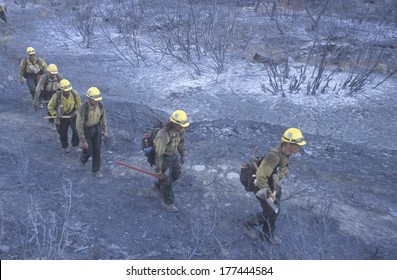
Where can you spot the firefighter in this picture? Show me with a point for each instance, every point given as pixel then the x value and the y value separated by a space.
pixel 91 123
pixel 47 86
pixel 273 168
pixel 64 105
pixel 31 68
pixel 170 141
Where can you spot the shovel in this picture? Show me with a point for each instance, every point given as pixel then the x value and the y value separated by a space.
pixel 268 202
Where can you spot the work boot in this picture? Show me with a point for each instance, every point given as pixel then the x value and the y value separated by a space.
pixel 170 207
pixel 67 149
pixel 98 174
pixel 53 126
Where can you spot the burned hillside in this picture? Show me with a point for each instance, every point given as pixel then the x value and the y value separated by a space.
pixel 339 200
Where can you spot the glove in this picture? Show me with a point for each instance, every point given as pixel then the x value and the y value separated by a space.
pixel 182 159
pixel 272 196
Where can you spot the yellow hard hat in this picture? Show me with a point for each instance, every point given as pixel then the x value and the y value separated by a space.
pixel 30 51
pixel 293 135
pixel 65 85
pixel 52 69
pixel 179 117
pixel 94 94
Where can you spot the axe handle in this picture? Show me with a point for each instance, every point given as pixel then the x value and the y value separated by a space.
pixel 54 117
pixel 135 168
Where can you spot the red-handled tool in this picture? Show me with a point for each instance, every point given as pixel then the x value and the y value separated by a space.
pixel 135 168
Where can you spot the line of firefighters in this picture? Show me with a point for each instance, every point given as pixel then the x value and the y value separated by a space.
pixel 88 123
pixel 65 110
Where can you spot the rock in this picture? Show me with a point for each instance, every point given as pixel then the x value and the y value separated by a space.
pixel 232 176
pixel 198 167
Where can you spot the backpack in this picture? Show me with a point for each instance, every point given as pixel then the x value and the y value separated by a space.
pixel 148 145
pixel 248 172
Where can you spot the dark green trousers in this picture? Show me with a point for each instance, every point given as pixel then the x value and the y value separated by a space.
pixel 93 136
pixel 172 169
pixel 267 218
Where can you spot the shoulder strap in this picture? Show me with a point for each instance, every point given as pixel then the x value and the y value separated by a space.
pixel 74 96
pixel 100 104
pixel 85 111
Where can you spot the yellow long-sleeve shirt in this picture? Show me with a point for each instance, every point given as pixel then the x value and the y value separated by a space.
pixel 273 159
pixel 69 101
pixel 167 143
pixel 38 65
pixel 96 115
pixel 48 84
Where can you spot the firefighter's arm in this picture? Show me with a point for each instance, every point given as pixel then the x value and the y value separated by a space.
pixel 77 101
pixel 104 123
pixel 263 175
pixel 22 67
pixel 265 171
pixel 182 147
pixel 160 145
pixel 52 105
pixel 43 64
pixel 39 89
pixel 80 124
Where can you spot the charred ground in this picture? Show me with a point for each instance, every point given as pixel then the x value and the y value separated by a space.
pixel 339 199
pixel 332 209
